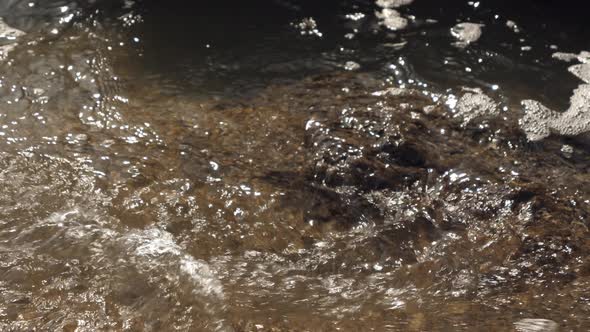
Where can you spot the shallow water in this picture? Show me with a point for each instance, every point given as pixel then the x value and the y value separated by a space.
pixel 288 166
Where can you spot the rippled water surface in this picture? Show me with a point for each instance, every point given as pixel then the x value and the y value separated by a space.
pixel 293 166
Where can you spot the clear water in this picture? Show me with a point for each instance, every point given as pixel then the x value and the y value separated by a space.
pixel 191 167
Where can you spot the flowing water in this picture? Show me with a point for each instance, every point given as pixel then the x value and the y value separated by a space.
pixel 292 166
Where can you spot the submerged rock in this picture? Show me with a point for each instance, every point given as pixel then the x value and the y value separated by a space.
pixel 467 32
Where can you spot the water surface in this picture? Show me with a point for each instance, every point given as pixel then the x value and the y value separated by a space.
pixel 288 166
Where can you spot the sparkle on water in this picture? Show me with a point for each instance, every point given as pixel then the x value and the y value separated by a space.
pixel 293 165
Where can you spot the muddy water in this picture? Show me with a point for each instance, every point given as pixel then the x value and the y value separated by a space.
pixel 287 166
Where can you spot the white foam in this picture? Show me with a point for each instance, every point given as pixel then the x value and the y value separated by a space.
pixel 9 34
pixel 467 32
pixel 308 26
pixel 472 106
pixel 512 25
pixel 351 66
pixel 539 121
pixel 391 19
pixel 582 57
pixel 567 57
pixel 393 3
pixel 582 71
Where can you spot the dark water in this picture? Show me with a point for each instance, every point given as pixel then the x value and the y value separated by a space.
pixel 241 167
